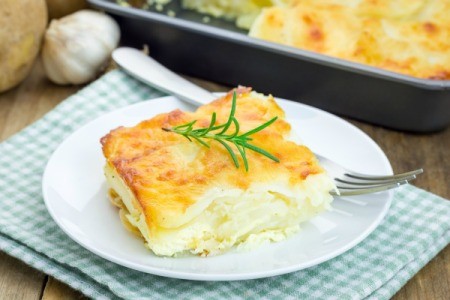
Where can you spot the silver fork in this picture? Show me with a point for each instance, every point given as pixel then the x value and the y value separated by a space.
pixel 351 183
pixel 149 71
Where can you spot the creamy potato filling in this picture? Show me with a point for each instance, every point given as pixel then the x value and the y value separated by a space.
pixel 234 217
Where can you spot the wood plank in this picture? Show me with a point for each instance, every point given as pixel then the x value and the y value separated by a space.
pixel 56 290
pixel 432 282
pixel 18 280
pixel 29 101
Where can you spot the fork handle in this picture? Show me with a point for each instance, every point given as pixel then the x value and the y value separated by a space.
pixel 149 71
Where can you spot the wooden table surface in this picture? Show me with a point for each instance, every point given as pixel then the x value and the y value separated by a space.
pixel 36 96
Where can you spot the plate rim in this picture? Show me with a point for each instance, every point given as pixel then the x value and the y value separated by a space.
pixel 218 277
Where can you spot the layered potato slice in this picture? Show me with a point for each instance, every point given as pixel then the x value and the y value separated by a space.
pixel 411 37
pixel 181 196
pixel 243 11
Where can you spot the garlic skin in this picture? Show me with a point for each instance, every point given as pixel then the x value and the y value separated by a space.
pixel 77 46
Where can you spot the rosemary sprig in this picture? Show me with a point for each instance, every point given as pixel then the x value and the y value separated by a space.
pixel 219 133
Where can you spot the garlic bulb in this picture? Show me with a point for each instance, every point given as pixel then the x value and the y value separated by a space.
pixel 77 46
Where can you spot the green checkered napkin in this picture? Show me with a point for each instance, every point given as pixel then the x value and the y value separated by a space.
pixel 416 228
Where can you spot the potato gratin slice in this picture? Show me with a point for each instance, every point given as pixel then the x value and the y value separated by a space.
pixel 181 196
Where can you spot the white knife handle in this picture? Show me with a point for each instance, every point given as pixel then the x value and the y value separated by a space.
pixel 151 72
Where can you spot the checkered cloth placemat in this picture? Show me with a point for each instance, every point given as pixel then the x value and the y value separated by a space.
pixel 416 228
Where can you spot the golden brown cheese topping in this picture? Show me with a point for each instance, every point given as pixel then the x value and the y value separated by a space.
pixel 167 174
pixel 406 36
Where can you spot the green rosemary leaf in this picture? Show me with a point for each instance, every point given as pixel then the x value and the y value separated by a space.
pixel 187 125
pixel 260 127
pixel 260 151
pixel 204 131
pixel 236 130
pixel 186 136
pixel 231 116
pixel 236 124
pixel 241 150
pixel 232 154
pixel 198 139
pixel 213 122
pixel 218 127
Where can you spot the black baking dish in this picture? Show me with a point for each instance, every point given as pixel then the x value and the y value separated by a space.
pixel 220 52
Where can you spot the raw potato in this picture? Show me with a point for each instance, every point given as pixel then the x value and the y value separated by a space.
pixel 22 25
pixel 61 8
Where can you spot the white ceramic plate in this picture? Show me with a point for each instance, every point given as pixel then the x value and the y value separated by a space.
pixel 75 193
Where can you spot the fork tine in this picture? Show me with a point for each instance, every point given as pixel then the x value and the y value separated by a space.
pixel 348 191
pixel 387 177
pixel 352 183
pixel 370 187
pixel 374 182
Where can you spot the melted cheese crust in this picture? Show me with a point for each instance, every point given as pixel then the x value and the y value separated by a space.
pixel 182 196
pixel 411 37
pixel 405 36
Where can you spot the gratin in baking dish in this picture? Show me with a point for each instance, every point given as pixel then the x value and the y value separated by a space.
pixel 221 52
